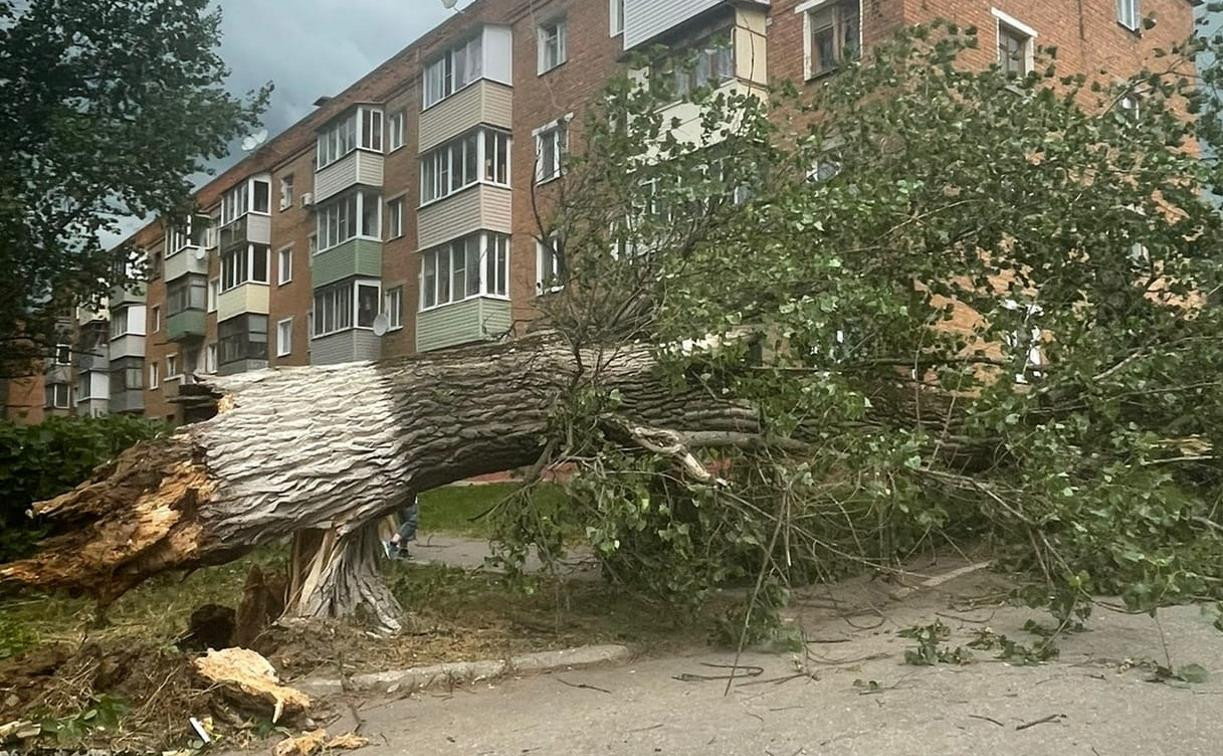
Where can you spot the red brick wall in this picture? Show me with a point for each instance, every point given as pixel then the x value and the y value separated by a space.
pixel 1084 31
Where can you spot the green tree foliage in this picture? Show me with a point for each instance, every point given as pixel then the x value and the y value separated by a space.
pixel 40 462
pixel 107 108
pixel 817 258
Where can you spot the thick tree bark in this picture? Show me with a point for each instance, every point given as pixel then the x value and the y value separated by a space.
pixel 333 449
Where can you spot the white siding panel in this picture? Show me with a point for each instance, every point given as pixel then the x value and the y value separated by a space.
pixel 369 168
pixel 336 177
pixel 485 102
pixel 259 228
pixel 247 298
pixel 481 207
pixel 499 54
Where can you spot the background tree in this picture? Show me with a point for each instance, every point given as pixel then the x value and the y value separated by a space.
pixel 107 109
pixel 917 306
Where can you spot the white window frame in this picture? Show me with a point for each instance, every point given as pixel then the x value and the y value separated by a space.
pixel 155 314
pixel 354 308
pixel 63 354
pixel 214 291
pixel 1016 27
pixel 286 191
pixel 392 304
pixel 808 10
pixel 543 249
pixel 246 275
pixel 1129 14
pixel 239 201
pixel 172 371
pixel 183 237
pixel 154 375
pixel 615 18
pixel 437 166
pixel 323 218
pixel 395 208
pixel 210 358
pixel 497 244
pixel 396 130
pixel 349 133
pixel 284 273
pixel 284 347
pixel 558 25
pixel 55 387
pixel 558 132
pixel 453 71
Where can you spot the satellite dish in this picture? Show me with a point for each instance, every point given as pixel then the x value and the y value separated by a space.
pixel 254 140
pixel 382 324
pixel 449 4
pixel 201 254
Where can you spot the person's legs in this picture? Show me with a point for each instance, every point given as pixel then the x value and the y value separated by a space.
pixel 409 521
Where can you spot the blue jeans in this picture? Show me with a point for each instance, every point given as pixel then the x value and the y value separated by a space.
pixel 409 518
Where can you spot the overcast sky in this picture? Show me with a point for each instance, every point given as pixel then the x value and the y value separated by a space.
pixel 309 48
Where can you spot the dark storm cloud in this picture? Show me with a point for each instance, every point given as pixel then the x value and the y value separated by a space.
pixel 308 48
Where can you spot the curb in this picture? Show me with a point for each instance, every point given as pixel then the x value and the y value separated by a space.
pixel 461 673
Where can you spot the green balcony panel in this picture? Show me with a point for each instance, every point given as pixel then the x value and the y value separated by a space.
pixel 355 257
pixel 476 319
pixel 186 325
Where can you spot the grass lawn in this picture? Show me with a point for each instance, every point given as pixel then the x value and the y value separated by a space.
pixel 465 510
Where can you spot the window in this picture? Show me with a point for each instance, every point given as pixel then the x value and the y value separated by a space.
pixel 251 196
pixel 63 354
pixel 284 266
pixel 1129 108
pixel 549 264
pixel 154 262
pixel 615 17
pixel 833 35
pixel 58 395
pixel 126 374
pixel 395 126
pixel 369 299
pixel 457 165
pixel 551 142
pixel 286 191
pixel 393 308
pixel 394 219
pixel 243 265
pixel 353 215
pixel 706 63
pixel 212 294
pixel 551 45
pixel 155 316
pixel 171 366
pixel 192 233
pixel 339 306
pixel 312 245
pixel 242 338
pixel 1015 45
pixel 210 358
pixel 284 337
pixel 475 265
pixel 359 129
pixel 154 375
pixel 1129 14
pixel 186 293
pixel 455 69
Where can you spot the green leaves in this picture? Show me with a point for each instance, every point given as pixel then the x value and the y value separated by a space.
pixel 42 461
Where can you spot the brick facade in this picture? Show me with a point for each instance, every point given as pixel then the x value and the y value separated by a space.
pixel 1086 33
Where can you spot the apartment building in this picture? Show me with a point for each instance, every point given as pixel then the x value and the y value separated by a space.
pixel 399 217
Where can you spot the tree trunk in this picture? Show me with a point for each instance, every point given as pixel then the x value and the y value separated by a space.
pixel 333 449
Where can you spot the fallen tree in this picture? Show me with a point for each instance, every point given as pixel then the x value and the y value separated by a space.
pixel 981 306
pixel 332 450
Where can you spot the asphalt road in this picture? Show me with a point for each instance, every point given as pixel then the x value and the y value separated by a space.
pixel 1095 699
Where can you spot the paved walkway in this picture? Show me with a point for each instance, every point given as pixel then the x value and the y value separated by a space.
pixel 1091 701
pixel 473 553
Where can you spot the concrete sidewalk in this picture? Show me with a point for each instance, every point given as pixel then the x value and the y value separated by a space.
pixel 473 553
pixel 1093 700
